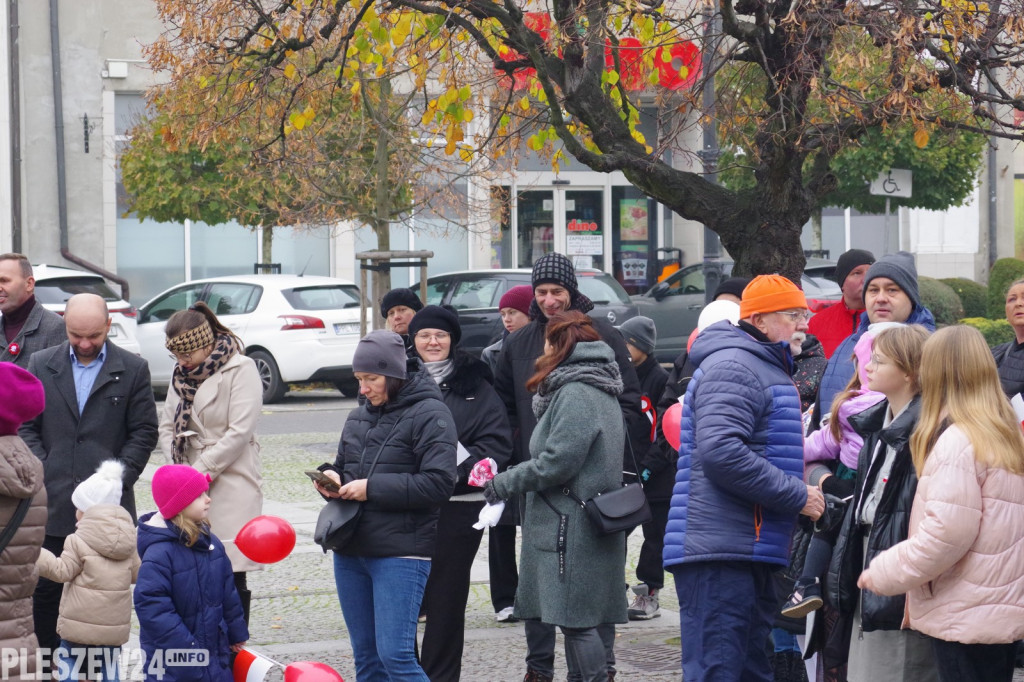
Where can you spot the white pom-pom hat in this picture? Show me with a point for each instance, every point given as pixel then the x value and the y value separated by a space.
pixel 103 487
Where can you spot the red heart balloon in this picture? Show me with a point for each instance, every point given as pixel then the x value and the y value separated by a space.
pixel 266 539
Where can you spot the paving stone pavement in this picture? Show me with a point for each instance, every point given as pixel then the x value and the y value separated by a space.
pixel 295 611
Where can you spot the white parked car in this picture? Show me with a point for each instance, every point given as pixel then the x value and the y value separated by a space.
pixel 296 328
pixel 55 285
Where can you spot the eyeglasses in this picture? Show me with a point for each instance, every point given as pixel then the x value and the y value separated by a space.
pixel 796 315
pixel 436 336
pixel 184 357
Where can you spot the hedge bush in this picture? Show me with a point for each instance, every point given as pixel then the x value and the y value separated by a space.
pixel 1004 271
pixel 941 300
pixel 973 296
pixel 994 331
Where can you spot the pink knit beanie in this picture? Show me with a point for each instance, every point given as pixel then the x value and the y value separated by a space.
pixel 176 486
pixel 21 397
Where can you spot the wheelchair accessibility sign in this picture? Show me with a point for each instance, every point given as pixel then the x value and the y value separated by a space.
pixel 895 182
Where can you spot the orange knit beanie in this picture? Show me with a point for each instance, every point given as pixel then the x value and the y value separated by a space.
pixel 769 294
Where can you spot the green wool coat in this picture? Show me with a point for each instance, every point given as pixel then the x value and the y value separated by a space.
pixel 577 443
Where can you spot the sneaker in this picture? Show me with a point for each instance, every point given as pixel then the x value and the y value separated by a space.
pixel 534 676
pixel 505 616
pixel 806 597
pixel 645 604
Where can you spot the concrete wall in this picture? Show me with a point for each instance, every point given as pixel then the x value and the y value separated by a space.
pixel 90 34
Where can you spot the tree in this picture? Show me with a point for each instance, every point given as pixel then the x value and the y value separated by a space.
pixel 953 64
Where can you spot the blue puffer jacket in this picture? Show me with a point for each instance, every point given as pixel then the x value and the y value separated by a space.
pixel 840 366
pixel 738 483
pixel 185 598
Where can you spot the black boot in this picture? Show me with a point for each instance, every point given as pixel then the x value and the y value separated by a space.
pixel 797 670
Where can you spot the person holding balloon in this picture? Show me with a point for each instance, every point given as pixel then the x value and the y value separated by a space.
pixel 404 428
pixel 209 422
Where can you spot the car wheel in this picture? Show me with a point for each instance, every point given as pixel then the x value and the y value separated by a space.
pixel 273 388
pixel 348 387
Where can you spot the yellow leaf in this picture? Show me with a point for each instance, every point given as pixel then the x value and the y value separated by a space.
pixel 524 103
pixel 289 72
pixel 467 115
pixel 356 87
pixel 921 138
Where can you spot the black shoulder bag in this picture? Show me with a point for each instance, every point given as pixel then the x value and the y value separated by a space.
pixel 338 521
pixel 12 526
pixel 621 509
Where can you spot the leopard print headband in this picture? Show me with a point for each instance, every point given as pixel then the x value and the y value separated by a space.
pixel 193 339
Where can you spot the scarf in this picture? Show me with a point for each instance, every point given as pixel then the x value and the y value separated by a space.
pixel 438 370
pixel 186 383
pixel 604 376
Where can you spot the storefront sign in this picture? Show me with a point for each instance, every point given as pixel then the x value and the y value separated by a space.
pixel 583 238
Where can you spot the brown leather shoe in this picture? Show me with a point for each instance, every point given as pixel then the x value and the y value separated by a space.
pixel 534 676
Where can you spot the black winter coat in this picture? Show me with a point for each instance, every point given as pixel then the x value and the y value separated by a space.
pixel 1010 360
pixel 517 363
pixel 891 523
pixel 415 473
pixel 480 418
pixel 656 454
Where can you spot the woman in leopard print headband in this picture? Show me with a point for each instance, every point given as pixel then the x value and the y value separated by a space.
pixel 209 422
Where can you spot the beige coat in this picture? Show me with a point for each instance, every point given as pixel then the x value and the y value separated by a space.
pixel 21 476
pixel 222 443
pixel 99 564
pixel 961 564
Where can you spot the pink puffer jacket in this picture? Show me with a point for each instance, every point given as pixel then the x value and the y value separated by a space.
pixel 961 568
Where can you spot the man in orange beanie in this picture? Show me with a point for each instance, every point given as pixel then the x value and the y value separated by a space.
pixel 739 484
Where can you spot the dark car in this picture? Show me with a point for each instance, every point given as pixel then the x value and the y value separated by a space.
pixel 475 295
pixel 675 304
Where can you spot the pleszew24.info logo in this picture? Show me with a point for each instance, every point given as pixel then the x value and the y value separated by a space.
pixel 92 662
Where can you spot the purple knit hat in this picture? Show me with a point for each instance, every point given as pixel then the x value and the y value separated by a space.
pixel 176 486
pixel 518 297
pixel 21 397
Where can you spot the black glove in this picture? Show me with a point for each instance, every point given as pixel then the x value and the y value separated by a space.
pixel 840 487
pixel 464 470
pixel 490 495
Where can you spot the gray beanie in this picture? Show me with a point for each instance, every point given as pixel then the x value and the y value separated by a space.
pixel 900 268
pixel 640 332
pixel 380 352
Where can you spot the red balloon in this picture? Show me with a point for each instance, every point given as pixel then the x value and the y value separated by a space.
pixel 681 54
pixel 693 337
pixel 311 671
pixel 266 539
pixel 670 424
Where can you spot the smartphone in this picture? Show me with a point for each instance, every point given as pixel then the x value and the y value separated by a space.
pixel 324 480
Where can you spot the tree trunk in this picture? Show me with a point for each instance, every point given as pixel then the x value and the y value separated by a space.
pixel 267 237
pixel 816 229
pixel 383 204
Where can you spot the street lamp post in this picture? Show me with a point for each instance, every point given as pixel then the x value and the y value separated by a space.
pixel 709 149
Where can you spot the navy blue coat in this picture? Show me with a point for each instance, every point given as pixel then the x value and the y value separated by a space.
pixel 185 598
pixel 839 370
pixel 739 484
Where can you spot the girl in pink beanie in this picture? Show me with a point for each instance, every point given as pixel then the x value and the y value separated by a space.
pixel 185 596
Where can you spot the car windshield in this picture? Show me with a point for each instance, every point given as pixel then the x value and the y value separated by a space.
pixel 323 297
pixel 602 289
pixel 60 289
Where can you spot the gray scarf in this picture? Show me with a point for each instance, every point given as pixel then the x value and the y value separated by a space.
pixel 604 376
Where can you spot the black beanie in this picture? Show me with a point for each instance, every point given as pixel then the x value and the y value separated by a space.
pixel 850 260
pixel 400 296
pixel 733 285
pixel 554 268
pixel 436 317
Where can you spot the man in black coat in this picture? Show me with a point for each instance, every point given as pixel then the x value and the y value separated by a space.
pixel 25 325
pixel 654 459
pixel 555 290
pixel 99 406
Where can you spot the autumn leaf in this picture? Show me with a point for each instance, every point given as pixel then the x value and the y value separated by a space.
pixel 921 138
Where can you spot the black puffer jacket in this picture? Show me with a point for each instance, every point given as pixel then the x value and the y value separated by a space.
pixel 415 472
pixel 517 363
pixel 1010 360
pixel 480 418
pixel 892 517
pixel 655 454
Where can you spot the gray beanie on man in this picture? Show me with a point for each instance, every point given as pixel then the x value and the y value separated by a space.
pixel 640 332
pixel 380 352
pixel 900 268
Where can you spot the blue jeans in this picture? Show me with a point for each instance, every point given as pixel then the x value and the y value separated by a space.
pixel 73 661
pixel 380 600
